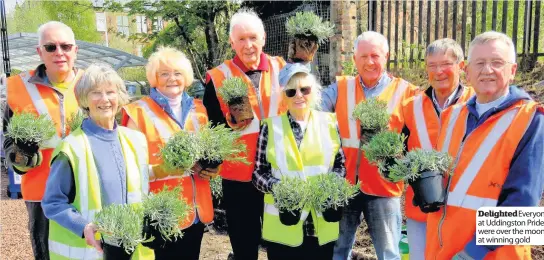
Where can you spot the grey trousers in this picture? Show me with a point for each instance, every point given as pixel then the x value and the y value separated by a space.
pixel 38 227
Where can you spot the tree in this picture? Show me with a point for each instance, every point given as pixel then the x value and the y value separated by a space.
pixel 199 28
pixel 78 14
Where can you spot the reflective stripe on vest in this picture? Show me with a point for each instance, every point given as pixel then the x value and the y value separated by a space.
pixel 41 108
pixel 164 131
pixel 73 252
pixel 421 126
pixel 308 171
pixel 353 140
pixel 449 130
pixel 459 197
pixel 87 201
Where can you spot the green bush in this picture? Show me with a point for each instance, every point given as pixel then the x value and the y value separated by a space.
pixel 166 210
pixel 181 151
pixel 308 24
pixel 290 194
pixel 330 191
pixel 121 225
pixel 221 143
pixel 216 185
pixel 417 161
pixel 372 114
pixel 232 88
pixel 27 127
pixel 382 147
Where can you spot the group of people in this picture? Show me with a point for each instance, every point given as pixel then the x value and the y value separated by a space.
pixel 494 130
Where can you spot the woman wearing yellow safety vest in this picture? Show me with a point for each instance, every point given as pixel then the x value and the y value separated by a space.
pixel 309 139
pixel 167 110
pixel 97 165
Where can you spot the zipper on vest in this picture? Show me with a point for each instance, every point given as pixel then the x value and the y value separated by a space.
pixel 194 201
pixel 441 222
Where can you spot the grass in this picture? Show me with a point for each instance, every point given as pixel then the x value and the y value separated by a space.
pixel 166 210
pixel 417 161
pixel 330 191
pixel 221 143
pixel 232 88
pixel 27 127
pixel 121 225
pixel 308 24
pixel 290 194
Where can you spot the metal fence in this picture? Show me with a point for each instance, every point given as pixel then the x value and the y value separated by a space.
pixel 277 40
pixel 412 25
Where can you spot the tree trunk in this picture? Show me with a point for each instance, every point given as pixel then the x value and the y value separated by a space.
pixel 211 39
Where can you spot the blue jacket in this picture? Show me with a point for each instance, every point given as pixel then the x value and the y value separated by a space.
pixel 186 105
pixel 524 184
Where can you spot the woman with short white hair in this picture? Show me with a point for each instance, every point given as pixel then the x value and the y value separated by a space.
pixel 97 165
pixel 167 110
pixel 302 133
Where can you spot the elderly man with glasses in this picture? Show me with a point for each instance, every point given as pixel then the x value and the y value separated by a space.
pixel 47 90
pixel 497 140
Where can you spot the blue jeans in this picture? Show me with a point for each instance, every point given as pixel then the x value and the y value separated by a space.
pixel 417 232
pixel 384 220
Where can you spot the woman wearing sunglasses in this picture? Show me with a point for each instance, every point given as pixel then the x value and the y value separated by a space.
pixel 303 143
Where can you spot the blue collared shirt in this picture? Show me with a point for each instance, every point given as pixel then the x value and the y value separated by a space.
pixel 329 95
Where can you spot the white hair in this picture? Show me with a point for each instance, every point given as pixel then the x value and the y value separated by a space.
pixel 246 17
pixel 443 46
pixel 372 36
pixel 493 36
pixel 55 25
pixel 294 81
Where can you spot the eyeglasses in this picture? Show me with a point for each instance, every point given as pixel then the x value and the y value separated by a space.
pixel 53 47
pixel 293 91
pixel 434 67
pixel 167 75
pixel 494 64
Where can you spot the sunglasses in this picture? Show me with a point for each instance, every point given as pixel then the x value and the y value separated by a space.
pixel 53 47
pixel 293 91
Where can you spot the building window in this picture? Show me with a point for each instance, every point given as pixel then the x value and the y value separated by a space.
pixel 157 24
pixel 122 24
pixel 141 24
pixel 101 22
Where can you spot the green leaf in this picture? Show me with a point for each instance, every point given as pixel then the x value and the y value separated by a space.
pixel 419 160
pixel 330 191
pixel 232 88
pixel 372 114
pixel 220 143
pixel 384 145
pixel 121 225
pixel 181 151
pixel 290 193
pixel 27 127
pixel 308 23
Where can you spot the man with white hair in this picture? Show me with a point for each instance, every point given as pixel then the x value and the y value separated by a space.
pixel 47 90
pixel 497 141
pixel 419 120
pixel 243 203
pixel 378 199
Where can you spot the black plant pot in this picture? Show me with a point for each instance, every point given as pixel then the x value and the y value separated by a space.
pixel 388 162
pixel 429 191
pixel 148 231
pixel 333 215
pixel 114 252
pixel 28 148
pixel 290 218
pixel 367 134
pixel 205 163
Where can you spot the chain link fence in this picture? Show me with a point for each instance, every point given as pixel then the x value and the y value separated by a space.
pixel 277 39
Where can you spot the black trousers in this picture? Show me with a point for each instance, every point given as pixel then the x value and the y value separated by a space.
pixel 244 206
pixel 186 248
pixel 310 250
pixel 38 227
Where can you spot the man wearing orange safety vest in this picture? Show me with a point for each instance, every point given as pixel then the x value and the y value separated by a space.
pixel 419 121
pixel 379 199
pixel 243 203
pixel 47 90
pixel 497 141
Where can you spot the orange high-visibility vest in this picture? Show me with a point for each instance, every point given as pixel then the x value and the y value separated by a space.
pixel 38 99
pixel 420 118
pixel 158 127
pixel 483 157
pixel 350 93
pixel 265 104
